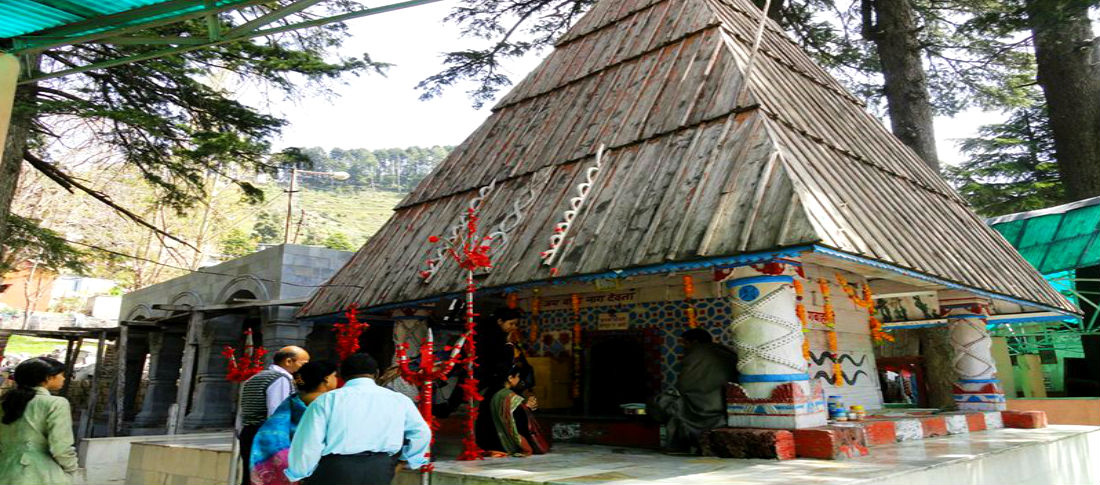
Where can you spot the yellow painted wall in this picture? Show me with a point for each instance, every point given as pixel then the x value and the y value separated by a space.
pixel 1066 410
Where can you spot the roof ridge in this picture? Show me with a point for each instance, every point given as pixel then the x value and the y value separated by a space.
pixel 608 67
pixel 568 37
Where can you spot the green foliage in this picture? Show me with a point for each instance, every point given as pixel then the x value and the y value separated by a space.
pixel 171 117
pixel 237 243
pixel 268 228
pixel 28 241
pixel 340 241
pixel 1010 166
pixel 397 169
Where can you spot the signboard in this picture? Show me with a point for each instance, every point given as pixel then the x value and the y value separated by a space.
pixel 613 321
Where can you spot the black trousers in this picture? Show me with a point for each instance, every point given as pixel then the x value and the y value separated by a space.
pixel 248 434
pixel 367 468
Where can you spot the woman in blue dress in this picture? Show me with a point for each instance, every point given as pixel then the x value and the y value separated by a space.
pixel 272 442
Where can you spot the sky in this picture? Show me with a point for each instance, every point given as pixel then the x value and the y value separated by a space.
pixel 372 111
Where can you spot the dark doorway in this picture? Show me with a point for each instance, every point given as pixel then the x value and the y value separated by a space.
pixel 377 341
pixel 617 372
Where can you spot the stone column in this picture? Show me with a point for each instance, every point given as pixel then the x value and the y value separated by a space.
pixel 775 390
pixel 213 404
pixel 976 387
pixel 137 348
pixel 165 359
pixel 281 329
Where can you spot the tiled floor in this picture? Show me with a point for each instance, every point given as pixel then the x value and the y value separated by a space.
pixel 579 464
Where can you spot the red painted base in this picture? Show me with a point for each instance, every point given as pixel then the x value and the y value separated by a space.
pixel 933 426
pixel 975 422
pixel 749 443
pixel 831 442
pixel 879 432
pixel 1024 419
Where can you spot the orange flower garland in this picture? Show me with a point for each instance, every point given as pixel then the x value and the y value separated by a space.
pixel 830 321
pixel 689 296
pixel 800 310
pixel 866 301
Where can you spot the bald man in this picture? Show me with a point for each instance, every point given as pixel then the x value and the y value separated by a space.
pixel 262 394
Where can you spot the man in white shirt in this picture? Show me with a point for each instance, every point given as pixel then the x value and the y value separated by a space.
pixel 355 435
pixel 262 393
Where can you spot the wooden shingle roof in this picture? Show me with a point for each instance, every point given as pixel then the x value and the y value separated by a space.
pixel 699 163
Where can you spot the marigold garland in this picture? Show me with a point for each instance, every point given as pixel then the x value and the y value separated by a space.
pixel 865 301
pixel 800 310
pixel 689 298
pixel 830 321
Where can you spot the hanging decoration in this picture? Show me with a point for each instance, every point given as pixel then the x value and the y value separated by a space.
pixel 250 363
pixel 536 307
pixel 830 321
pixel 576 299
pixel 866 301
pixel 347 333
pixel 800 310
pixel 561 229
pixel 454 238
pixel 471 252
pixel 689 299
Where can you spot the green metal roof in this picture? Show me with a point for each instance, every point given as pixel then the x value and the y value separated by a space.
pixel 1057 239
pixel 38 24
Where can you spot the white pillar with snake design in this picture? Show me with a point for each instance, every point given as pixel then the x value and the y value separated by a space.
pixel 976 386
pixel 775 390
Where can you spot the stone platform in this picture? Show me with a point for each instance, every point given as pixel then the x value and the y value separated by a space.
pixel 1053 455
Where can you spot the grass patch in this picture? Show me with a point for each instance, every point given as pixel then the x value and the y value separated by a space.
pixel 33 346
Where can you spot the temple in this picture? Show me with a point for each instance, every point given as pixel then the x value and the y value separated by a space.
pixel 670 166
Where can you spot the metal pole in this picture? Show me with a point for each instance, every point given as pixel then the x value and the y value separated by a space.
pixel 290 204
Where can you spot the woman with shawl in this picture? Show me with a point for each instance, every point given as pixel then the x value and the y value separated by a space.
pixel 272 443
pixel 515 423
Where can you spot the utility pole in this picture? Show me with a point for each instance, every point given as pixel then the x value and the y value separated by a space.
pixel 290 203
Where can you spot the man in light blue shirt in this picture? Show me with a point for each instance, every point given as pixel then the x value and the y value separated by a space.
pixel 356 434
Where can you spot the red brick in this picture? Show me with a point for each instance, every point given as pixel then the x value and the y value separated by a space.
pixel 976 422
pixel 1024 419
pixel 933 426
pixel 880 432
pixel 830 442
pixel 749 443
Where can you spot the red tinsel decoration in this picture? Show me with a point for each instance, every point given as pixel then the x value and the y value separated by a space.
pixel 250 363
pixel 472 254
pixel 347 334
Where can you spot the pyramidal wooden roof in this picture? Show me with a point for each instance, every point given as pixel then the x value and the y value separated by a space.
pixel 700 163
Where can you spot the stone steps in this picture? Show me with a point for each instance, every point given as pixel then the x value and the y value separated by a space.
pixel 858 438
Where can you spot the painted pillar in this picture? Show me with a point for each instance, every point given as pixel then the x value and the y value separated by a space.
pixel 9 74
pixel 775 390
pixel 165 361
pixel 215 401
pixel 976 386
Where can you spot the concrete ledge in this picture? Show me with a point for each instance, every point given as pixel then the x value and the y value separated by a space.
pixel 776 444
pixel 1056 455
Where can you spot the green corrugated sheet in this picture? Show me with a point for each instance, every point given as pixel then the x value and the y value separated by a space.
pixel 1058 239
pixel 21 17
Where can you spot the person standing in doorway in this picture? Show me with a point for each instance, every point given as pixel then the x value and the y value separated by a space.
pixel 356 435
pixel 262 394
pixel 36 429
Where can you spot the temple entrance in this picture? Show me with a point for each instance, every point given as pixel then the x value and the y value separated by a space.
pixel 618 371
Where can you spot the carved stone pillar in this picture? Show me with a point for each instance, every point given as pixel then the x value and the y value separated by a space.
pixel 281 329
pixel 165 359
pixel 214 401
pixel 775 390
pixel 137 348
pixel 976 387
